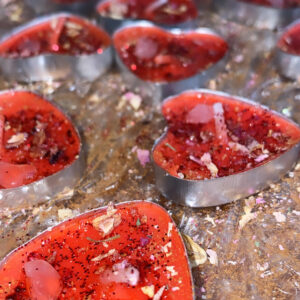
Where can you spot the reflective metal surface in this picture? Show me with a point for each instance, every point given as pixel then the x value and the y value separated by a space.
pixel 49 67
pixel 255 15
pixel 218 191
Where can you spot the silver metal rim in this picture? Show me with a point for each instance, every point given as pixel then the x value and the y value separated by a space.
pixel 42 190
pixel 2 262
pixel 256 15
pixel 49 67
pixel 229 188
pixel 166 89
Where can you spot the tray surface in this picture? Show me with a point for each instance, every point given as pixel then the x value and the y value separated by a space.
pixel 252 244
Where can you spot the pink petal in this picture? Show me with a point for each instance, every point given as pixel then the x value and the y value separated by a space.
pixel 201 113
pixel 143 156
pixel 44 280
pixel 12 175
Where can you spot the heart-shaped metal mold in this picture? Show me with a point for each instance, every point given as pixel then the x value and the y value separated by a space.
pixel 288 51
pixel 170 61
pixel 129 251
pixel 113 14
pixel 263 14
pixel 40 150
pixel 219 148
pixel 55 47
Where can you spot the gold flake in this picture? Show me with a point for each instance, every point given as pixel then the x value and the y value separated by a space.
pixel 148 290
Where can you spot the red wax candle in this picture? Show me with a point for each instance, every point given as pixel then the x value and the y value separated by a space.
pixel 36 139
pixel 164 12
pixel 290 40
pixel 211 136
pixel 275 3
pixel 64 34
pixel 132 251
pixel 156 55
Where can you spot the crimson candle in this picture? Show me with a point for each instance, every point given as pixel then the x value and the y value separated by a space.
pixel 36 139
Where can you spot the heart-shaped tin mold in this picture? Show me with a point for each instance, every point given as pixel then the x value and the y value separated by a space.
pixel 219 148
pixel 174 60
pixel 40 149
pixel 167 14
pixel 288 51
pixel 130 251
pixel 264 14
pixel 55 47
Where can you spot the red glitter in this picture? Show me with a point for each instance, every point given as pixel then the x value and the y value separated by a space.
pixel 76 250
pixel 62 35
pixel 159 56
pixel 193 148
pixel 35 134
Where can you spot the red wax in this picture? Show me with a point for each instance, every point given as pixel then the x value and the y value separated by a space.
pixel 163 12
pixel 204 142
pixel 36 139
pixel 290 40
pixel 275 3
pixel 68 35
pixel 156 55
pixel 77 258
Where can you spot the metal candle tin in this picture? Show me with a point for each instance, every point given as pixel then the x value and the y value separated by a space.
pixel 219 191
pixel 288 64
pixel 256 15
pixel 112 24
pixel 84 7
pixel 42 190
pixel 4 260
pixel 50 66
pixel 166 89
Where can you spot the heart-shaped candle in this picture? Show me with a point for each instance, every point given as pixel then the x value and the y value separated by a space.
pixel 219 140
pixel 290 40
pixel 155 55
pixel 36 141
pixel 165 12
pixel 288 52
pixel 269 14
pixel 131 251
pixel 64 42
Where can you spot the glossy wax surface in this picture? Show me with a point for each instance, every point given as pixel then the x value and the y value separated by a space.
pixel 67 35
pixel 290 40
pixel 203 143
pixel 79 258
pixel 156 55
pixel 36 139
pixel 275 3
pixel 163 12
